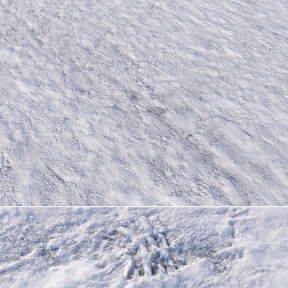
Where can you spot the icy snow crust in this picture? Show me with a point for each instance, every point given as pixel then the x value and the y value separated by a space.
pixel 143 102
pixel 143 247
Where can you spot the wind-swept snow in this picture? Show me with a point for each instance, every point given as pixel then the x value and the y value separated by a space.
pixel 143 247
pixel 143 102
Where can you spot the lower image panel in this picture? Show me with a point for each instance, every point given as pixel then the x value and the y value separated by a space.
pixel 143 247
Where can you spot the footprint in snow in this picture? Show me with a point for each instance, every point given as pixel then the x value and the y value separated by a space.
pixel 149 254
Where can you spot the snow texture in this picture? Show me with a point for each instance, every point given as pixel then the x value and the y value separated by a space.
pixel 143 247
pixel 143 102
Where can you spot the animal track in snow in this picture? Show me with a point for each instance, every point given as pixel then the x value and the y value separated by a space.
pixel 148 252
pixel 5 166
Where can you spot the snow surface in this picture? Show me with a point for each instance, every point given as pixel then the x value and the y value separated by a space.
pixel 143 247
pixel 143 102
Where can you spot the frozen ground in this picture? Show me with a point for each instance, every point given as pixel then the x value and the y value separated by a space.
pixel 143 247
pixel 143 102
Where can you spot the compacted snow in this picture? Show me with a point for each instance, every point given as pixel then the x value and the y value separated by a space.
pixel 143 247
pixel 143 102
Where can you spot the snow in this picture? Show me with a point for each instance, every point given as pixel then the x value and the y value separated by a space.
pixel 143 102
pixel 143 247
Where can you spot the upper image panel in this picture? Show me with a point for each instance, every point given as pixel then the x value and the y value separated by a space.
pixel 143 102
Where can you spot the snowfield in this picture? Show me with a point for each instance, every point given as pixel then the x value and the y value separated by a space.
pixel 143 247
pixel 143 102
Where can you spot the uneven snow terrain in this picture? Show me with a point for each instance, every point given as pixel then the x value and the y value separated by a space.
pixel 143 102
pixel 143 247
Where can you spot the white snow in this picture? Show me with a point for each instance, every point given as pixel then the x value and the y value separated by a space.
pixel 108 247
pixel 143 102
